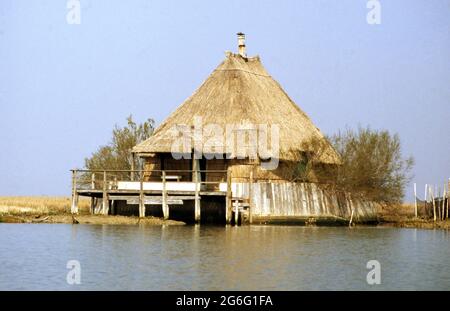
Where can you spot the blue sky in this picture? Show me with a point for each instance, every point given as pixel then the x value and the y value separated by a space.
pixel 63 87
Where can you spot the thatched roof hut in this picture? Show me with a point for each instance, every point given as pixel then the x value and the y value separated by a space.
pixel 241 91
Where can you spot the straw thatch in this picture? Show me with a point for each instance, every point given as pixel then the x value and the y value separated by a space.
pixel 240 91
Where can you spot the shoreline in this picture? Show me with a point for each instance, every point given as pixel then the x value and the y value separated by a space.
pixel 56 210
pixel 87 219
pixel 419 223
pixel 65 218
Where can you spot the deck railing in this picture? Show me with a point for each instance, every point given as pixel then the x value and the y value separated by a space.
pixel 103 183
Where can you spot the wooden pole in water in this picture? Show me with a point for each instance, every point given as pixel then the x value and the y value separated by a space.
pixel 351 219
pixel 415 200
pixel 141 195
pixel 165 206
pixel 105 195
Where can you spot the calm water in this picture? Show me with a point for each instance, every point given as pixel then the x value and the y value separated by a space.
pixel 219 258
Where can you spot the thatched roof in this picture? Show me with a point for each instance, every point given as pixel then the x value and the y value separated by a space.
pixel 241 91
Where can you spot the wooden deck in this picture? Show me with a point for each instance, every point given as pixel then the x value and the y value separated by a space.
pixel 131 186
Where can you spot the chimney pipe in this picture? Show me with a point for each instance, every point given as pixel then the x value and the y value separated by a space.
pixel 241 44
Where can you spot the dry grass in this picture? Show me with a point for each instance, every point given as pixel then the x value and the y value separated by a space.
pixel 405 210
pixel 42 205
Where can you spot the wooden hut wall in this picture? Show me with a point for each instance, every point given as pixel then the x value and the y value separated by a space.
pixel 182 164
pixel 152 163
pixel 304 200
pixel 216 165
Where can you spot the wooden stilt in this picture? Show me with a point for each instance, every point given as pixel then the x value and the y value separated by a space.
pixel 236 212
pixel 165 206
pixel 141 195
pixel 92 208
pixel 196 178
pixel 74 207
pixel 228 197
pixel 250 196
pixel 105 206
pixel 197 202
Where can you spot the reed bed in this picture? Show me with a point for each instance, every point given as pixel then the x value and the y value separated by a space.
pixel 39 205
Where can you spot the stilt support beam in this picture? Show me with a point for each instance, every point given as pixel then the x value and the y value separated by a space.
pixel 141 195
pixel 74 207
pixel 105 207
pixel 165 206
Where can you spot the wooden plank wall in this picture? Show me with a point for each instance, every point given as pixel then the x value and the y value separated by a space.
pixel 303 199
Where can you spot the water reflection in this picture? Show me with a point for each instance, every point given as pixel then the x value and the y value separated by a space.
pixel 221 258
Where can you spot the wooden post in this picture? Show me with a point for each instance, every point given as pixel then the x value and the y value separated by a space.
pixel 426 193
pixel 439 204
pixel 236 212
pixel 250 195
pixel 415 200
pixel 448 196
pixel 165 206
pixel 74 208
pixel 93 181
pixel 434 205
pixel 92 197
pixel 228 197
pixel 132 166
pixel 197 201
pixel 141 195
pixel 351 219
pixel 443 203
pixel 105 206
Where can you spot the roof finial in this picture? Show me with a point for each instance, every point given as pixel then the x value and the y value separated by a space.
pixel 241 44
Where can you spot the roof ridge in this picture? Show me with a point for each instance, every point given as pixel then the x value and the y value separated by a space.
pixel 240 69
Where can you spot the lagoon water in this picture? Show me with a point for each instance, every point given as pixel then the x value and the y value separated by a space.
pixel 35 256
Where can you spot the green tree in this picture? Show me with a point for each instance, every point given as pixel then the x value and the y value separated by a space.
pixel 117 154
pixel 372 164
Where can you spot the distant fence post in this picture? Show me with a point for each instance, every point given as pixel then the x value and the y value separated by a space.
pixel 443 204
pixel 415 200
pixel 74 207
pixel 448 196
pixel 432 201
